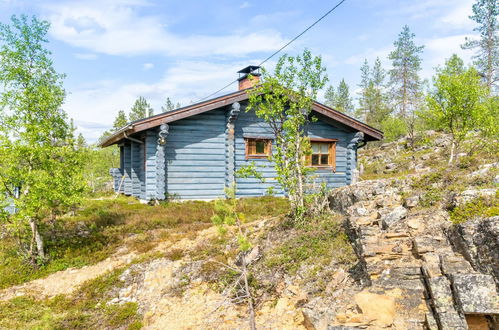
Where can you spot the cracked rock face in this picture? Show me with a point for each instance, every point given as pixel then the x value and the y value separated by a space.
pixel 478 241
pixel 475 293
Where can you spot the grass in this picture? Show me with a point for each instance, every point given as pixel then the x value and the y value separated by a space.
pixel 88 308
pixel 101 226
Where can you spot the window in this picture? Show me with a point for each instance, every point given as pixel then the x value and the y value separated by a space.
pixel 323 154
pixel 258 148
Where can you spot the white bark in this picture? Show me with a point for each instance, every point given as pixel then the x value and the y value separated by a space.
pixel 37 238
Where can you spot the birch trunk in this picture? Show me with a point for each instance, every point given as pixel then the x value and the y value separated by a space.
pixel 452 150
pixel 37 238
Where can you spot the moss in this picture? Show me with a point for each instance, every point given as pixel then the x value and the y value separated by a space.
pixel 478 207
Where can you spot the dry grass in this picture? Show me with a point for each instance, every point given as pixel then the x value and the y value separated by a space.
pixel 102 226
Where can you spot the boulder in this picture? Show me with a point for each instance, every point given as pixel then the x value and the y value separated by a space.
pixel 393 217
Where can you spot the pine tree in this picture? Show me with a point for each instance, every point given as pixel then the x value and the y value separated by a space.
pixel 120 120
pixel 340 99
pixel 405 82
pixel 373 101
pixel 169 105
pixel 141 109
pixel 485 13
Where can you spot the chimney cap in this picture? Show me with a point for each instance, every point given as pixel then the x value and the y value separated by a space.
pixel 254 70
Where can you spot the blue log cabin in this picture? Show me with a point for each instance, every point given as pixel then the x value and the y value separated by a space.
pixel 194 152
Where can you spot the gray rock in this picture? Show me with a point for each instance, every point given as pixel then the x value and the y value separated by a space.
pixel 390 166
pixel 452 320
pixel 441 293
pixel 430 322
pixel 394 216
pixel 478 241
pixel 471 194
pixel 484 169
pixel 411 202
pixel 475 293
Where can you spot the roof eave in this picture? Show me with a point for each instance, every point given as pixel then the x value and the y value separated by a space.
pixel 222 101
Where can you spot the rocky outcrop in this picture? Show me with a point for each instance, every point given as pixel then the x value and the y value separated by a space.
pixel 438 276
pixel 478 241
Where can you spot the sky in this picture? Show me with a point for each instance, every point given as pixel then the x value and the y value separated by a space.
pixel 114 51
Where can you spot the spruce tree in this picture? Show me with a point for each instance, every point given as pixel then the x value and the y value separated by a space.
pixel 486 58
pixel 340 99
pixel 170 105
pixel 141 109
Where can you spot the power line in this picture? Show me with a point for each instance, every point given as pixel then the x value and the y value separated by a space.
pixel 280 49
pixel 304 31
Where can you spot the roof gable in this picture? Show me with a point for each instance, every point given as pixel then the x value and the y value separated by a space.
pixel 222 101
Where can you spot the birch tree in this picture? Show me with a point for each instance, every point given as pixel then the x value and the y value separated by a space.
pixel 458 103
pixel 284 100
pixel 41 168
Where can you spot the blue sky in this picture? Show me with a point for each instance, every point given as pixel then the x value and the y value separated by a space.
pixel 116 50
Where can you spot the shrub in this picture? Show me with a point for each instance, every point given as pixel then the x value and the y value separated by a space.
pixel 394 128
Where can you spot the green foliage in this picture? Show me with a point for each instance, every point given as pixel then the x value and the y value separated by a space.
pixel 120 121
pixel 141 109
pixel 87 308
pixel 373 102
pixel 404 76
pixel 37 145
pixel 226 215
pixel 456 103
pixel 284 101
pixel 485 13
pixel 340 98
pixel 96 170
pixel 317 243
pixel 478 207
pixel 393 128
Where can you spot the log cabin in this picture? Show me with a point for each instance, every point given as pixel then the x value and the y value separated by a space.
pixel 195 151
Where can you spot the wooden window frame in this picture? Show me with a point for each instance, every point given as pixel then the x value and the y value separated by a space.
pixel 268 148
pixel 331 152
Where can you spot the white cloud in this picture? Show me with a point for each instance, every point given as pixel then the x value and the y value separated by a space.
pixel 370 54
pixel 438 49
pixel 147 66
pixel 245 4
pixel 86 56
pixel 116 28
pixel 186 82
pixel 458 17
